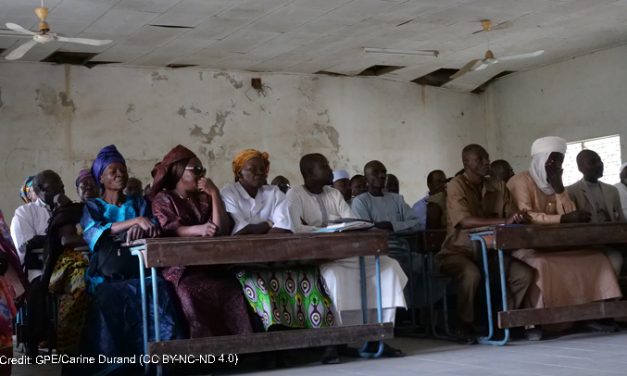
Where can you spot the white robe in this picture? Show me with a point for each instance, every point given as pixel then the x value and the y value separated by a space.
pixel 28 221
pixel 342 277
pixel 268 204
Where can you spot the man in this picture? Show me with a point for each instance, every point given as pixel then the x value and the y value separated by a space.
pixel 431 209
pixel 281 182
pixel 28 230
pixel 342 183
pixel 597 198
pixel 30 221
pixel 502 170
pixel 358 185
pixel 387 210
pixel 134 187
pixel 622 188
pixel 392 184
pixel 314 205
pixel 473 200
pixel 586 271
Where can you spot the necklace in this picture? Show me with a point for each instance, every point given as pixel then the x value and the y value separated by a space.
pixel 182 197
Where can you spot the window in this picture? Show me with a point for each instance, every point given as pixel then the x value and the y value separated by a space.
pixel 608 149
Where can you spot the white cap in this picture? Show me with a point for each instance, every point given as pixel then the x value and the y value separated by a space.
pixel 340 174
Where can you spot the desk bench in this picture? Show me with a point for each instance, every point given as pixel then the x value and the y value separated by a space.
pixel 251 249
pixel 512 237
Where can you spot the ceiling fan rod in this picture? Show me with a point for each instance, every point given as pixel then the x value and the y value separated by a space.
pixel 393 51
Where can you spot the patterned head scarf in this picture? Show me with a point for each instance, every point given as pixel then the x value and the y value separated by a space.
pixel 26 186
pixel 164 174
pixel 84 173
pixel 106 156
pixel 540 151
pixel 244 156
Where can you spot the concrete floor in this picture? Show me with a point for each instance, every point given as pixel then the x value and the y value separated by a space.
pixel 583 354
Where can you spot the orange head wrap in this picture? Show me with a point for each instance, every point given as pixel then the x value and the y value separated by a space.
pixel 244 156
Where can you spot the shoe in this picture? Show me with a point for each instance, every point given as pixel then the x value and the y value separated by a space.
pixel 330 355
pixel 602 326
pixel 391 352
pixel 466 335
pixel 533 334
pixel 388 351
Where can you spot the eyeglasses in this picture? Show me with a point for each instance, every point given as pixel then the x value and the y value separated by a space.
pixel 198 170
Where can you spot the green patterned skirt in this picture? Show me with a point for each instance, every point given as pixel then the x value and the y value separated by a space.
pixel 294 297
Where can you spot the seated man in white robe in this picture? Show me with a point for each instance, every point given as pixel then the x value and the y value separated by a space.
pixel 314 205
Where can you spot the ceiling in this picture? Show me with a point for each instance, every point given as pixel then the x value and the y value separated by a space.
pixel 308 36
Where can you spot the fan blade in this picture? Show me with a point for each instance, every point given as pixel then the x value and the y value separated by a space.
pixel 19 29
pixel 91 42
pixel 522 56
pixel 502 25
pixel 483 66
pixel 11 34
pixel 21 50
pixel 465 69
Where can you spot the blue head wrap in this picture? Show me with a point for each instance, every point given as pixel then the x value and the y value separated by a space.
pixel 106 156
pixel 28 184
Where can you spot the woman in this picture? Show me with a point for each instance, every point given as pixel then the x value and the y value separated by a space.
pixel 65 267
pixel 296 297
pixel 12 282
pixel 187 204
pixel 114 321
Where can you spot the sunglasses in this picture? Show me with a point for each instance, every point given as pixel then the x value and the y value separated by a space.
pixel 198 170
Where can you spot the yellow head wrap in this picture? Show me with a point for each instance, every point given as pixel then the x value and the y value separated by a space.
pixel 244 156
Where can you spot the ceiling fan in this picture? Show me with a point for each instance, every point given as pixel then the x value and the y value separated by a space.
pixel 489 57
pixel 44 35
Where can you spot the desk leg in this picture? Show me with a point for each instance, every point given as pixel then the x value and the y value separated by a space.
pixel 488 293
pixel 503 295
pixel 142 288
pixel 155 310
pixel 364 301
pixel 484 253
pixel 364 304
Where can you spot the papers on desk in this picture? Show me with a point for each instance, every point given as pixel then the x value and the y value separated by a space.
pixel 345 226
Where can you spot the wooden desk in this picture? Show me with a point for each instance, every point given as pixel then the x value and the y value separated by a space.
pixel 512 237
pixel 162 252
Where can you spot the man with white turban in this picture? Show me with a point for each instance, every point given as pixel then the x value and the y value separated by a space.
pixel 562 278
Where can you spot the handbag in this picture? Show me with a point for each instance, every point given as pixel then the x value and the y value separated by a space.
pixel 112 260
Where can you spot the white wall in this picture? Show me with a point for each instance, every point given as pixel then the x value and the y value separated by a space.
pixel 58 117
pixel 576 99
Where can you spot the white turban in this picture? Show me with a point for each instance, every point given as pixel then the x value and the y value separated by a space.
pixel 540 151
pixel 339 175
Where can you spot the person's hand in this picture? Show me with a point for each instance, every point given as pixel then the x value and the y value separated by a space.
pixel 207 186
pixel 150 230
pixel 206 229
pixel 519 218
pixel 134 233
pixel 554 176
pixel 577 216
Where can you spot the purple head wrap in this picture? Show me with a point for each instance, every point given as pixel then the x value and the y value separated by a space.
pixel 82 175
pixel 106 156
